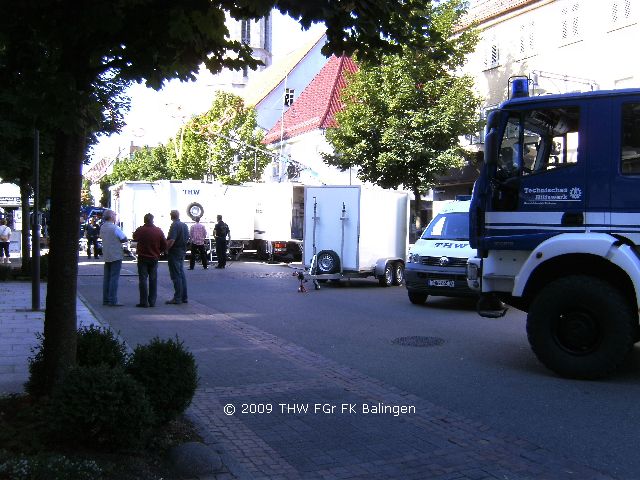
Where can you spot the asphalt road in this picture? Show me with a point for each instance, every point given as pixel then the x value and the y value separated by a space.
pixel 480 368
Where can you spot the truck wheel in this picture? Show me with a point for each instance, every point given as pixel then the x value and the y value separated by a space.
pixel 386 279
pixel 398 273
pixel 327 261
pixel 581 327
pixel 417 298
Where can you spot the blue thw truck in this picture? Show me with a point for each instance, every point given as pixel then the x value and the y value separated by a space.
pixel 555 218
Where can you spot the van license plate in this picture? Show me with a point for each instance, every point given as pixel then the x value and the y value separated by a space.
pixel 442 283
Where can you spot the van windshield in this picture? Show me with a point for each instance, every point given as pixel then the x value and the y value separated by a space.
pixel 448 226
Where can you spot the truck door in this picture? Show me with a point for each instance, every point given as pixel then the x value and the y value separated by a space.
pixel 624 167
pixel 539 185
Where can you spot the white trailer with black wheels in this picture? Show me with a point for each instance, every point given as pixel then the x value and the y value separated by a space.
pixel 355 232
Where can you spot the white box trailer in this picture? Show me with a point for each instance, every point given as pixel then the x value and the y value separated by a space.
pixel 131 200
pixel 279 220
pixel 355 231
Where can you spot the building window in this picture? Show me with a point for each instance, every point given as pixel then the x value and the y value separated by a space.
pixel 527 39
pixel 245 32
pixel 570 26
pixel 288 96
pixel 267 33
pixel 630 148
pixel 621 13
pixel 492 58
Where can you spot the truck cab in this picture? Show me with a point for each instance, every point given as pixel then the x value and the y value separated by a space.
pixel 555 217
pixel 437 262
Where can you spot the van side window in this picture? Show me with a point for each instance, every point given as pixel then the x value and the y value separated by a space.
pixel 630 151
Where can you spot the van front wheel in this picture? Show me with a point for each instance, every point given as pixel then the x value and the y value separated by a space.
pixel 417 298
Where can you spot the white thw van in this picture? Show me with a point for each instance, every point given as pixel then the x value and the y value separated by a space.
pixel 437 263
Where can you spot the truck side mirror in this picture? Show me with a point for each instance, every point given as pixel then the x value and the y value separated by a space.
pixel 491 140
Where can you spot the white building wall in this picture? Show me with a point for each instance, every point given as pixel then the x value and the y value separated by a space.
pixel 565 45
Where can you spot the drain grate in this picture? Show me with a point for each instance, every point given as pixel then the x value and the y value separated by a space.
pixel 417 341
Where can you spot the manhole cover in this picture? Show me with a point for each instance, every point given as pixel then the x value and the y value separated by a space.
pixel 418 341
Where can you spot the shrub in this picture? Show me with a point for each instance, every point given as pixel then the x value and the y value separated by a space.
pixel 168 373
pixel 99 406
pixel 96 346
pixel 5 273
pixel 49 467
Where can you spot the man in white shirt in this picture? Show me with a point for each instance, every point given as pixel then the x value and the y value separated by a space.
pixel 112 240
pixel 198 234
pixel 5 241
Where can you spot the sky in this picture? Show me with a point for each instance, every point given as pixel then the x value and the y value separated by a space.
pixel 155 116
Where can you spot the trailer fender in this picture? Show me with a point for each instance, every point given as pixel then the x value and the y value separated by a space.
pixel 599 244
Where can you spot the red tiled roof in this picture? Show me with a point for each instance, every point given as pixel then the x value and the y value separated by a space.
pixel 318 103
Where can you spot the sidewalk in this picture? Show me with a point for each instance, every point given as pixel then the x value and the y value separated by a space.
pixel 18 327
pixel 254 386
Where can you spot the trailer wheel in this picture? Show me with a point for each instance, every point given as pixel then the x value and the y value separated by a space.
pixel 417 298
pixel 398 273
pixel 327 261
pixel 386 279
pixel 581 327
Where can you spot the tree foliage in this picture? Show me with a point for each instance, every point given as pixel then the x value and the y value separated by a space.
pixel 64 65
pixel 148 163
pixel 224 142
pixel 402 119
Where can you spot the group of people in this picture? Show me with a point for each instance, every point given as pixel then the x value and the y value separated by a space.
pixel 151 243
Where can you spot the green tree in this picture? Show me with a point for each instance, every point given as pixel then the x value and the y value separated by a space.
pixel 224 142
pixel 402 119
pixel 148 163
pixel 86 199
pixel 63 66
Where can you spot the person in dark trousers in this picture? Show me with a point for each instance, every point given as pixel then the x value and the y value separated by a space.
pixel 223 235
pixel 151 243
pixel 177 240
pixel 112 240
pixel 198 234
pixel 91 233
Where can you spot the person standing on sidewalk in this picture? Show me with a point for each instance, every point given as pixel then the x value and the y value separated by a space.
pixel 223 235
pixel 5 241
pixel 92 232
pixel 112 240
pixel 176 251
pixel 151 243
pixel 198 234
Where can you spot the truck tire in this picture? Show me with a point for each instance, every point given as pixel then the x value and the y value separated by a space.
pixel 195 210
pixel 386 279
pixel 398 273
pixel 417 298
pixel 581 327
pixel 327 261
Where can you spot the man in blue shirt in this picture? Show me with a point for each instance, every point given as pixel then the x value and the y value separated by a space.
pixel 177 240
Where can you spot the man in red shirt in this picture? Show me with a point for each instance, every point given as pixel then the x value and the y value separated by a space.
pixel 151 243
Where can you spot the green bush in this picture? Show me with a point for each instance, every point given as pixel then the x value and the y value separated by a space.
pixel 168 373
pixel 95 346
pixel 5 273
pixel 44 266
pixel 99 406
pixel 48 467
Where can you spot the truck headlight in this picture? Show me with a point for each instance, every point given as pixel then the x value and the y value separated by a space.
pixel 413 258
pixel 472 271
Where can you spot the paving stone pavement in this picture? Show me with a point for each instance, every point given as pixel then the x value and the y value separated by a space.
pixel 19 325
pixel 240 364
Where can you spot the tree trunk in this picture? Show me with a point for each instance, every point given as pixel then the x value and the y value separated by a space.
pixel 60 319
pixel 25 191
pixel 417 208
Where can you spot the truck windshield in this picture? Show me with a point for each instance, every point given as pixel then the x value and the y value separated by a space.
pixel 537 141
pixel 448 226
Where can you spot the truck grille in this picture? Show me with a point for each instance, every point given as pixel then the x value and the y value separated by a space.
pixel 441 262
